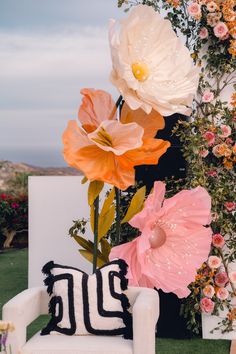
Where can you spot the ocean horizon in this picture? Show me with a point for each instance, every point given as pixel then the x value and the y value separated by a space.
pixel 39 157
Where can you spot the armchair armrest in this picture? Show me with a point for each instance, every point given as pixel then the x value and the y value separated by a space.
pixel 145 316
pixel 23 309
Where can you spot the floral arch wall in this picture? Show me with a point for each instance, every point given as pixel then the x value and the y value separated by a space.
pixel 208 140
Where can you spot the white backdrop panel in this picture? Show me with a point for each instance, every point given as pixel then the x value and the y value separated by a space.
pixel 54 201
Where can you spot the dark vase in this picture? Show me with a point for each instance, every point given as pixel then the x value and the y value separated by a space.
pixel 172 163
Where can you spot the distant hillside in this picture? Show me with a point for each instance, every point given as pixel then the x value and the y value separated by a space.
pixel 9 170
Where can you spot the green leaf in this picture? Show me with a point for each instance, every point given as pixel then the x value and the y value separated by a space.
pixel 89 256
pixel 136 204
pixel 95 187
pixel 88 245
pixel 105 222
pixel 108 202
pixel 105 248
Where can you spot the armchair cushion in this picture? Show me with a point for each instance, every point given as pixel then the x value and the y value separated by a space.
pixel 83 304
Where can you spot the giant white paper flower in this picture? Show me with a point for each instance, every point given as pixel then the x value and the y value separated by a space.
pixel 151 66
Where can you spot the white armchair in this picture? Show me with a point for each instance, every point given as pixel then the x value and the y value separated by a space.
pixel 31 303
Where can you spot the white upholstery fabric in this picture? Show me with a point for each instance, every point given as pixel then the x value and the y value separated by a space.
pixel 31 303
pixel 61 344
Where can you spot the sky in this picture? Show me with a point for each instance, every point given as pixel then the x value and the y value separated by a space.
pixel 49 50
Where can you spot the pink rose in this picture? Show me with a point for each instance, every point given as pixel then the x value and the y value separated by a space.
pixel 214 262
pixel 209 291
pixel 218 240
pixel 210 138
pixel 229 141
pixel 203 153
pixel 222 293
pixel 230 206
pixel 232 276
pixel 194 10
pixel 203 33
pixel 212 173
pixel 221 279
pixel 226 131
pixel 220 30
pixel 207 96
pixel 207 305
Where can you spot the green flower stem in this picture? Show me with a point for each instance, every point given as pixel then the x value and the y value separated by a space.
pixel 95 247
pixel 117 192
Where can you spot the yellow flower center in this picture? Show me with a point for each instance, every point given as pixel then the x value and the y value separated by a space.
pixel 103 138
pixel 140 71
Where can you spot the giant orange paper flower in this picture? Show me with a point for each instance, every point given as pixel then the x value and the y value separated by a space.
pixel 107 150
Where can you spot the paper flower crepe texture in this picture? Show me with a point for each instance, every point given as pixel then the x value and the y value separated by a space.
pixel 174 241
pixel 151 66
pixel 107 150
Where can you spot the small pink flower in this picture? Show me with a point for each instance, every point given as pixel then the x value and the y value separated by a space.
pixel 14 205
pixel 218 240
pixel 203 153
pixel 222 293
pixel 229 141
pixel 226 131
pixel 207 305
pixel 210 138
pixel 212 173
pixel 220 30
pixel 212 6
pixel 232 276
pixel 221 279
pixel 209 291
pixel 203 33
pixel 194 10
pixel 230 206
pixel 207 96
pixel 214 262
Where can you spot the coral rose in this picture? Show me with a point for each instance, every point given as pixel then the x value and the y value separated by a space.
pixel 218 240
pixel 230 206
pixel 210 137
pixel 225 131
pixel 207 305
pixel 107 150
pixel 151 66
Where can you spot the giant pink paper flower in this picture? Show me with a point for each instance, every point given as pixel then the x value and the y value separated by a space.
pixel 173 243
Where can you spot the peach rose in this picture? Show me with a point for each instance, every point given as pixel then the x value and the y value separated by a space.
pixel 194 10
pixel 207 305
pixel 218 240
pixel 214 262
pixel 222 293
pixel 220 30
pixel 209 291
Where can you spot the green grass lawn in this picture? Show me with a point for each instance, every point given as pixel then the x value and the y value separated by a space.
pixel 13 279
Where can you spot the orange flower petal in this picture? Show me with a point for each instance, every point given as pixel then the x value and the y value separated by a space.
pixel 149 153
pixel 101 165
pixel 96 106
pixel 151 122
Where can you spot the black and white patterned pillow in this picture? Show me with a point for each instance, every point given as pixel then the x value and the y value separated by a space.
pixel 81 304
